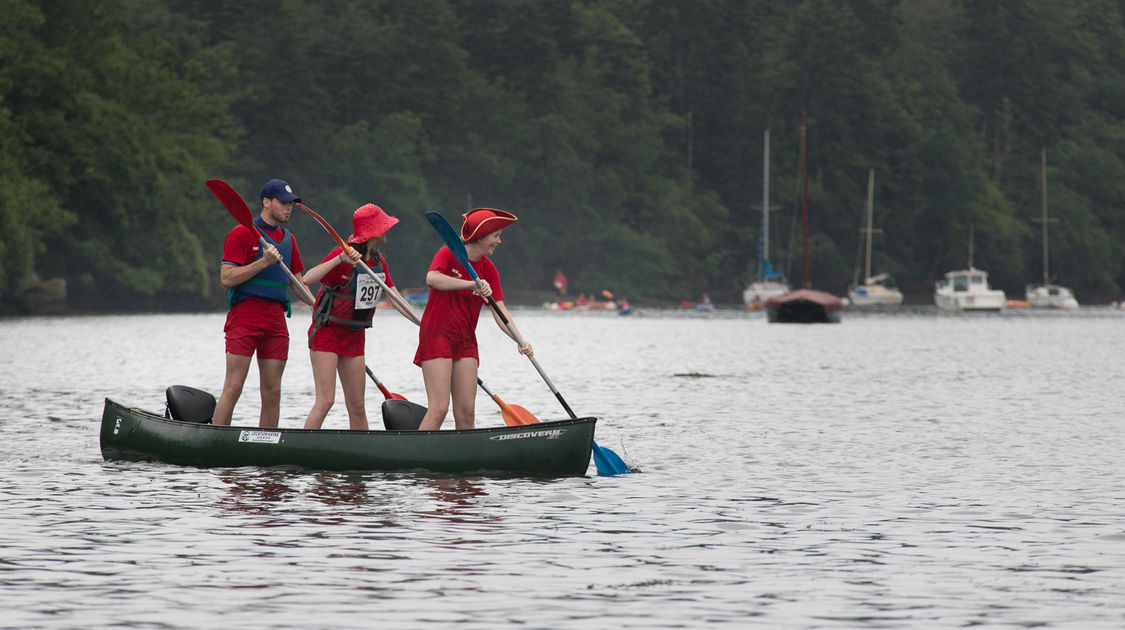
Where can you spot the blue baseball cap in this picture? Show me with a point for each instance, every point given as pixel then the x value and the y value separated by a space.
pixel 278 189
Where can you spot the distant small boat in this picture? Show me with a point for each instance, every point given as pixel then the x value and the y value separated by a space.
pixel 1050 296
pixel 968 290
pixel 877 290
pixel 1047 295
pixel 805 305
pixel 770 282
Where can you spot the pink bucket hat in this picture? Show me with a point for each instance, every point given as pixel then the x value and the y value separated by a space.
pixel 481 222
pixel 368 222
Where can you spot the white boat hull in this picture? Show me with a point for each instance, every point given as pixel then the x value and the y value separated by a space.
pixel 757 293
pixel 1050 296
pixel 968 290
pixel 874 295
pixel 994 300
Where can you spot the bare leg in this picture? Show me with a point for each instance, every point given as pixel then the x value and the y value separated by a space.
pixel 352 381
pixel 464 381
pixel 269 378
pixel 438 375
pixel 238 367
pixel 324 380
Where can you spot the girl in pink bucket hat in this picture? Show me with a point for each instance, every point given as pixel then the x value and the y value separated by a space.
pixel 447 342
pixel 344 307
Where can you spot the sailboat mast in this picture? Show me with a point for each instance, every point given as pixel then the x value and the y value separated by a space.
pixel 805 192
pixel 870 212
pixel 1043 179
pixel 764 237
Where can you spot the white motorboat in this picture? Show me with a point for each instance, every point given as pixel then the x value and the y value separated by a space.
pixel 1047 295
pixel 968 290
pixel 877 290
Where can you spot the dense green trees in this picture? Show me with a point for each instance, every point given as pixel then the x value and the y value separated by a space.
pixel 626 134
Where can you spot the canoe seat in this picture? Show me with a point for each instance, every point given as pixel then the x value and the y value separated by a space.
pixel 402 415
pixel 189 404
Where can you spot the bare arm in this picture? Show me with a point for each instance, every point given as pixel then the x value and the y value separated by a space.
pixel 233 275
pixel 317 273
pixel 438 280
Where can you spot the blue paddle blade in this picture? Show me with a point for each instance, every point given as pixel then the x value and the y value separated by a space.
pixel 452 240
pixel 608 462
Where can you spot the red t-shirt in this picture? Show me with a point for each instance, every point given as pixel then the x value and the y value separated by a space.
pixel 241 248
pixel 458 311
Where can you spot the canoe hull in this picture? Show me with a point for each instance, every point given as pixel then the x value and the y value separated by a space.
pixel 561 448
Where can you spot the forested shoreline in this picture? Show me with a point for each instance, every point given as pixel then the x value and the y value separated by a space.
pixel 625 134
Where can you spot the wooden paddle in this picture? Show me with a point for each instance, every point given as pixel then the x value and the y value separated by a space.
pixel 513 414
pixel 607 462
pixel 238 209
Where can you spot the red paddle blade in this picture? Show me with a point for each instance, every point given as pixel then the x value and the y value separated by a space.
pixel 327 226
pixel 389 394
pixel 234 202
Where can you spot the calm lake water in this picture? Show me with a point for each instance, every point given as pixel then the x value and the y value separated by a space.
pixel 905 470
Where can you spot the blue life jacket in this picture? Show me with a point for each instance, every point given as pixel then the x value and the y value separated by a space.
pixel 271 283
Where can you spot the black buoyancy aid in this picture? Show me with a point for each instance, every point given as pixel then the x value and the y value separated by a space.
pixel 336 305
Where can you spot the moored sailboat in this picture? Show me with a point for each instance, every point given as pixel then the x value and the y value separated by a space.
pixel 877 290
pixel 805 305
pixel 770 282
pixel 1046 294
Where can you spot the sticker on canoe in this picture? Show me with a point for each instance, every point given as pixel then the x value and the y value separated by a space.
pixel 550 434
pixel 260 437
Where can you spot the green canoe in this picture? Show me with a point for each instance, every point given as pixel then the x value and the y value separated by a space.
pixel 555 449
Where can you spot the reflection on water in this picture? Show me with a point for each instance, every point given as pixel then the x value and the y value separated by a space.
pixel 897 471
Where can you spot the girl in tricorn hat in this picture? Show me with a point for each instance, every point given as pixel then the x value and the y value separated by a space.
pixel 344 307
pixel 447 341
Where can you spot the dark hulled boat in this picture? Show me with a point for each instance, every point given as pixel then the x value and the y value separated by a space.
pixel 561 448
pixel 805 306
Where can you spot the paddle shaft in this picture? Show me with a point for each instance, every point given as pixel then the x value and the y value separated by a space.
pixel 386 393
pixel 299 286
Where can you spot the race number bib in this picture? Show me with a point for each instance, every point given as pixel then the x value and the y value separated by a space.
pixel 367 291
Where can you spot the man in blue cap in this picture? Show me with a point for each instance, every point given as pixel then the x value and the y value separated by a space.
pixel 259 303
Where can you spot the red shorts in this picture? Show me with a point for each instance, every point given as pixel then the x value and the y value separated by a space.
pixel 258 325
pixel 245 341
pixel 445 344
pixel 337 339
